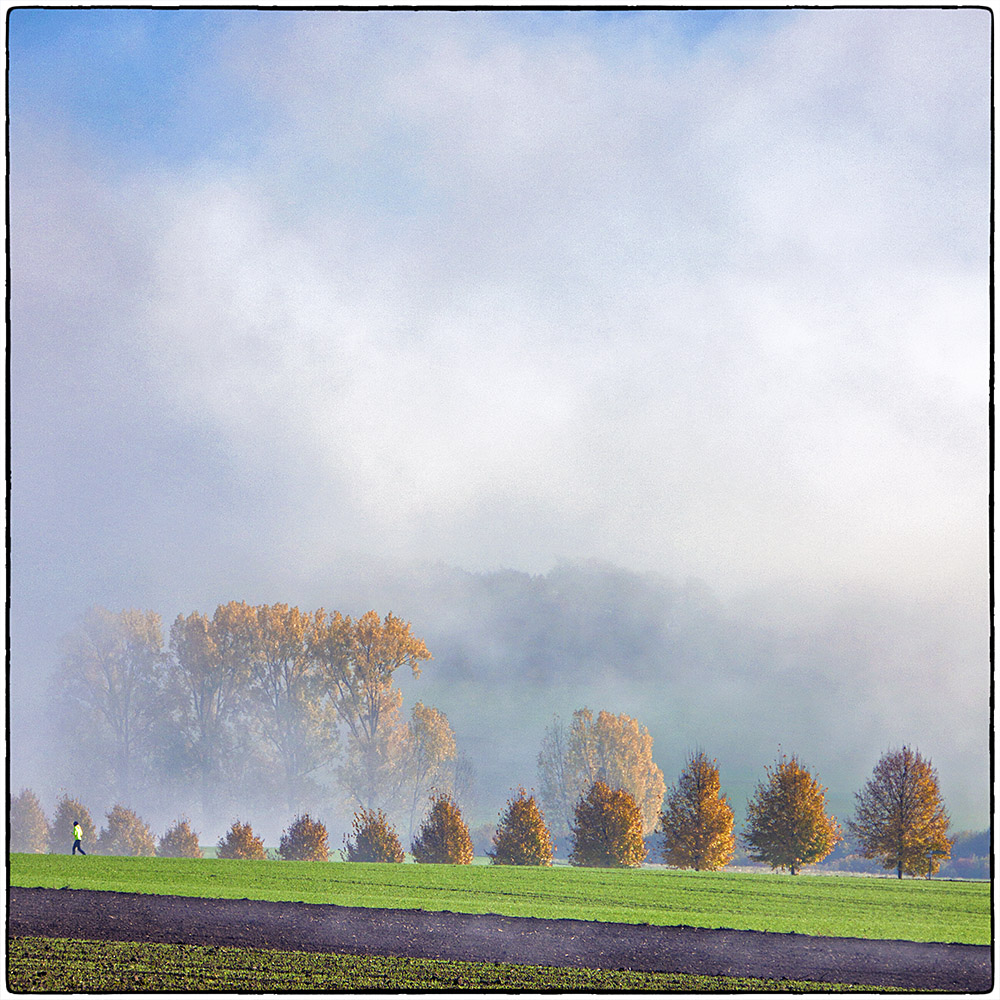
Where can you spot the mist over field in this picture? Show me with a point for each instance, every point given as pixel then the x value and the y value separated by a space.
pixel 640 360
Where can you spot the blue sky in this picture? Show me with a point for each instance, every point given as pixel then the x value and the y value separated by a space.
pixel 694 293
pixel 141 82
pixel 128 79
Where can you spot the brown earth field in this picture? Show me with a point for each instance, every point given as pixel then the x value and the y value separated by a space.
pixel 121 916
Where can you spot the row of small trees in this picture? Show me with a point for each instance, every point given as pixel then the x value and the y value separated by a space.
pixel 900 821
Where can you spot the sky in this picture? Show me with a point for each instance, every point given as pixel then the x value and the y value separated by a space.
pixel 699 293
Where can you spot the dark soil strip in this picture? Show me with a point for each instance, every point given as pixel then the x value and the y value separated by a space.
pixel 118 916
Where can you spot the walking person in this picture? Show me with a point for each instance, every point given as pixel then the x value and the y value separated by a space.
pixel 78 838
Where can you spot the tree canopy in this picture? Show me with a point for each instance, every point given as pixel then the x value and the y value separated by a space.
pixel 444 836
pixel 900 818
pixel 607 829
pixel 614 749
pixel 521 836
pixel 787 825
pixel 697 820
pixel 252 703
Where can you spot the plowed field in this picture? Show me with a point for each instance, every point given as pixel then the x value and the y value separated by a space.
pixel 96 915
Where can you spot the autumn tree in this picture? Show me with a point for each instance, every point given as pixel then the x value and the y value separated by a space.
pixel 444 836
pixel 110 684
pixel 375 839
pixel 240 842
pixel 126 834
pixel 607 829
pixel 900 819
pixel 304 840
pixel 428 758
pixel 355 665
pixel 613 749
pixel 29 829
pixel 290 715
pixel 209 679
pixel 787 825
pixel 70 811
pixel 180 841
pixel 521 837
pixel 697 821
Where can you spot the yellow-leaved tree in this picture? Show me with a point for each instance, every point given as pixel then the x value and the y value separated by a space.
pixel 427 761
pixel 240 842
pixel 126 834
pixel 607 829
pixel 444 837
pixel 900 818
pixel 355 662
pixel 787 825
pixel 614 749
pixel 375 839
pixel 697 821
pixel 521 836
pixel 180 841
pixel 290 714
pixel 304 840
pixel 209 679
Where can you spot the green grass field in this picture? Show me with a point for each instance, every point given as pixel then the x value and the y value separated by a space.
pixel 840 906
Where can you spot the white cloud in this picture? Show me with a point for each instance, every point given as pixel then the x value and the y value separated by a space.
pixel 689 304
pixel 715 308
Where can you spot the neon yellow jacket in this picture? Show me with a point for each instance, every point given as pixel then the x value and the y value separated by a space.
pixel 77 831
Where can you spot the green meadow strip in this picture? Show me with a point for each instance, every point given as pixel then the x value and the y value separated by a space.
pixel 57 965
pixel 838 906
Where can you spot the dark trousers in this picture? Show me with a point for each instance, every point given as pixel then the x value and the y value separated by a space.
pixel 78 846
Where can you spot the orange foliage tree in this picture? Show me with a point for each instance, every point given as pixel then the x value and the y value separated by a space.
pixel 900 818
pixel 374 839
pixel 787 825
pixel 521 837
pixel 444 836
pixel 607 832
pixel 240 842
pixel 126 834
pixel 304 840
pixel 355 663
pixel 614 749
pixel 697 821
pixel 180 841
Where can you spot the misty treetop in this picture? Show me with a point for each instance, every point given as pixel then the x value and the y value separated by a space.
pixel 614 749
pixel 255 697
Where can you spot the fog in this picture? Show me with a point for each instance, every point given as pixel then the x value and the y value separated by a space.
pixel 428 312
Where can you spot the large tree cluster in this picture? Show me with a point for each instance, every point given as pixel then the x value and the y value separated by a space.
pixel 267 700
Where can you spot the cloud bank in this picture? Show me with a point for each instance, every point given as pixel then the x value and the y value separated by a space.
pixel 704 297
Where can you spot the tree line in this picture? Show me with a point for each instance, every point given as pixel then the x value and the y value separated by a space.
pixel 285 699
pixel 900 821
